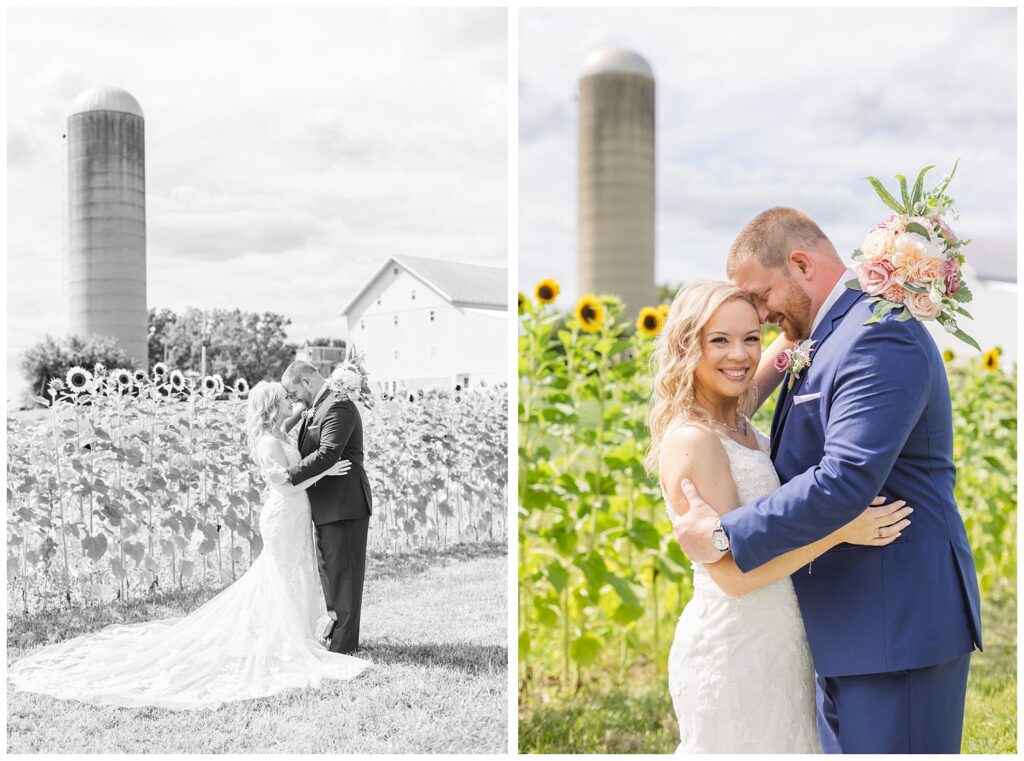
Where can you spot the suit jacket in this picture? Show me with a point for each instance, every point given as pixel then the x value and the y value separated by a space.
pixel 334 432
pixel 870 416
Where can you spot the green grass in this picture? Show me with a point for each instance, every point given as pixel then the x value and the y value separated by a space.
pixel 607 718
pixel 436 628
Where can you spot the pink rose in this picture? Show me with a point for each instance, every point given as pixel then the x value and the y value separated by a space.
pixel 895 293
pixel 875 277
pixel 951 277
pixel 923 306
pixel 782 360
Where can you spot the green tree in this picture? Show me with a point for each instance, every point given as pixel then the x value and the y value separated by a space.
pixel 251 345
pixel 52 357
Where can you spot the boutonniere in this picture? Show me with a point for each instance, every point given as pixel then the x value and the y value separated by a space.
pixel 796 360
pixel 308 414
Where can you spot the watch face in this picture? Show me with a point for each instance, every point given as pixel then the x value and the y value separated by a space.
pixel 720 540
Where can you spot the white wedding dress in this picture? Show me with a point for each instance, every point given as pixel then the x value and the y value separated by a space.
pixel 740 670
pixel 256 638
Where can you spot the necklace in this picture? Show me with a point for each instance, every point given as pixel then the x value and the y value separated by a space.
pixel 741 424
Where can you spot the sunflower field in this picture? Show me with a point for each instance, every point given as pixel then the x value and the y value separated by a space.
pixel 601 578
pixel 133 482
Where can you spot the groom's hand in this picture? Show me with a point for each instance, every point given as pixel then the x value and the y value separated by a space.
pixel 693 530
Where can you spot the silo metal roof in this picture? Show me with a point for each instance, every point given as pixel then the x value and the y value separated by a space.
pixel 613 60
pixel 105 98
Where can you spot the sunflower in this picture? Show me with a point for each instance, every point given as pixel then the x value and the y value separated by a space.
pixel 522 301
pixel 55 386
pixel 209 385
pixel 547 290
pixel 140 377
pixel 948 355
pixel 159 371
pixel 241 386
pixel 220 383
pixel 590 313
pixel 991 360
pixel 650 321
pixel 122 379
pixel 79 379
pixel 177 380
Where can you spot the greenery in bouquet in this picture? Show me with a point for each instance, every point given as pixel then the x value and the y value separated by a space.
pixel 352 379
pixel 911 263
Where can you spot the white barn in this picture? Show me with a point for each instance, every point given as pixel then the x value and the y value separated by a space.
pixel 427 323
pixel 991 273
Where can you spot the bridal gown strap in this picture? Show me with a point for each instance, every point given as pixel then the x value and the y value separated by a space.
pixel 255 638
pixel 740 671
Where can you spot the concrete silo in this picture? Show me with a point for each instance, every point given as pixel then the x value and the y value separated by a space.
pixel 106 219
pixel 615 213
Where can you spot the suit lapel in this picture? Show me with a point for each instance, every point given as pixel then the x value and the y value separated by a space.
pixel 835 315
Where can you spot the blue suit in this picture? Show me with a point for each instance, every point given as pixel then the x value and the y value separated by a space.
pixel 891 629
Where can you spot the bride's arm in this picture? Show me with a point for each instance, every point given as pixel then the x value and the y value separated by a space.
pixel 272 458
pixel 766 376
pixel 696 453
pixel 291 420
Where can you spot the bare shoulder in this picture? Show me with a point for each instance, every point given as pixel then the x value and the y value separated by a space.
pixel 268 446
pixel 694 451
pixel 693 441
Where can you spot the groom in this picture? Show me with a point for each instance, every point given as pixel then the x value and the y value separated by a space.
pixel 891 629
pixel 331 430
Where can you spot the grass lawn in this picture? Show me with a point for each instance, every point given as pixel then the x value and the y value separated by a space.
pixel 640 719
pixel 436 628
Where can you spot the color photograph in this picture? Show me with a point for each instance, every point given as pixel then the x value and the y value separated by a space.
pixel 257 380
pixel 767 417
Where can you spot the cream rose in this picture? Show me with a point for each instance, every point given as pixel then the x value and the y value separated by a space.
pixel 924 306
pixel 927 270
pixel 877 244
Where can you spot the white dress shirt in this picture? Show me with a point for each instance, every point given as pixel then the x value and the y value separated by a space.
pixel 833 297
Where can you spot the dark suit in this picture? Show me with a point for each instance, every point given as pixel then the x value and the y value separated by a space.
pixel 341 508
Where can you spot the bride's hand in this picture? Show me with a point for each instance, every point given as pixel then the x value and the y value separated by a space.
pixel 877 526
pixel 340 468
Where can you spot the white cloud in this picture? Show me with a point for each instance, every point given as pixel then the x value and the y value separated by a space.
pixel 289 151
pixel 758 107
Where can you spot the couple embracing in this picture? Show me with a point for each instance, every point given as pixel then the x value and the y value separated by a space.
pixel 824 617
pixel 266 632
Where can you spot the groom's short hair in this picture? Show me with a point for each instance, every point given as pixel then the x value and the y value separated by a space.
pixel 770 237
pixel 298 370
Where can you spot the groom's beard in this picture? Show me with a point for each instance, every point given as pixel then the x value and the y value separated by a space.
pixel 796 324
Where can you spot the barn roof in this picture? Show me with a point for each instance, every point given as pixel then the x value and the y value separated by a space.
pixel 464 285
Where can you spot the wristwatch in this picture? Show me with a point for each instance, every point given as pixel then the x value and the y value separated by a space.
pixel 719 539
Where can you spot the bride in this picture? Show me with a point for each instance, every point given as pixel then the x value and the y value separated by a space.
pixel 740 670
pixel 255 638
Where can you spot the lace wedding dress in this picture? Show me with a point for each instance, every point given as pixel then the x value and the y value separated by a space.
pixel 740 670
pixel 256 638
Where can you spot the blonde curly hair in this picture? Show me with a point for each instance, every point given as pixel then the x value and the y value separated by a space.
pixel 262 409
pixel 676 356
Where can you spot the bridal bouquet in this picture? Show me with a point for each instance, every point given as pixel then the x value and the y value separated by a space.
pixel 912 261
pixel 351 379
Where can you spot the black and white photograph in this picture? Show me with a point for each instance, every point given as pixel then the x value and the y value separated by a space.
pixel 257 395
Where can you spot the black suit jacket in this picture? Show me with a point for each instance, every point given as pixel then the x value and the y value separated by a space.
pixel 334 432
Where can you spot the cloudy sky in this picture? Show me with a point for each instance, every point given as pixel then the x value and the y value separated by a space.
pixel 764 107
pixel 289 152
